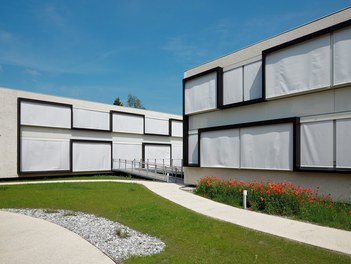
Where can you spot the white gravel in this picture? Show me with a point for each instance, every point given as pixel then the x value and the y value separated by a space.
pixel 114 239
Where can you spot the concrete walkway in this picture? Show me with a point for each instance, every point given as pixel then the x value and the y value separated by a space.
pixel 27 240
pixel 324 237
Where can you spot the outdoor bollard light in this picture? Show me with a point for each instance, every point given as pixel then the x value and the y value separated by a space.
pixel 244 198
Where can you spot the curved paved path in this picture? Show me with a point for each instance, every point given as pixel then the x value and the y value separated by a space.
pixel 26 239
pixel 324 237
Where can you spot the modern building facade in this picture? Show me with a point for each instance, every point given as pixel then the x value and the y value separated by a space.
pixel 42 135
pixel 279 109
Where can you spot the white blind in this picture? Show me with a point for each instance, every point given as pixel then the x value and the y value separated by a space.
pixel 201 93
pixel 220 149
pixel 317 144
pixel 126 123
pixel 177 128
pixel 160 154
pixel 253 81
pixel 193 156
pixel 91 119
pixel 156 126
pixel 343 143
pixel 233 86
pixel 44 155
pixel 267 147
pixel 129 152
pixel 302 67
pixel 342 56
pixel 177 154
pixel 42 114
pixel 91 156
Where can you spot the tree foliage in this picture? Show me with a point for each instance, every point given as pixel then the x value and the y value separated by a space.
pixel 132 101
pixel 118 102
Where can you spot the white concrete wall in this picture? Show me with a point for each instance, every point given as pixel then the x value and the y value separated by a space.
pixel 338 185
pixel 8 127
pixel 318 103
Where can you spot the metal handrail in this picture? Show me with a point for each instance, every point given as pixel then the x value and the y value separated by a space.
pixel 166 169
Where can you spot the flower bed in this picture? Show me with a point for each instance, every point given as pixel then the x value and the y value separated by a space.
pixel 281 198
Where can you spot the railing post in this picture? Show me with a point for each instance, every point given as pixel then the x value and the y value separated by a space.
pixel 119 163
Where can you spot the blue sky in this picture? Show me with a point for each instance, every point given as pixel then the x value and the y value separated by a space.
pixel 98 50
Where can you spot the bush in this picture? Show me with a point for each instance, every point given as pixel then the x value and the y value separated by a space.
pixel 283 198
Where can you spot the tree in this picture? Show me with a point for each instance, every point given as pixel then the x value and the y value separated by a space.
pixel 134 102
pixel 118 102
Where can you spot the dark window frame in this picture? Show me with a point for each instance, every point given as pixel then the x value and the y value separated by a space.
pixel 72 141
pixel 295 121
pixel 91 129
pixel 155 134
pixel 297 41
pixel 127 114
pixel 171 120
pixel 19 138
pixel 145 144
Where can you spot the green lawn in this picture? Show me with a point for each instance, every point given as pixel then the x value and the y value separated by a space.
pixel 190 237
pixel 67 178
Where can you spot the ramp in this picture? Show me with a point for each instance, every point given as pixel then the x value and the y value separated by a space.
pixel 152 170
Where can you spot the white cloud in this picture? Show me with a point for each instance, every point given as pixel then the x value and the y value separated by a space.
pixel 6 36
pixel 57 55
pixel 32 72
pixel 178 46
pixel 36 60
pixel 271 25
pixel 53 14
pixel 185 51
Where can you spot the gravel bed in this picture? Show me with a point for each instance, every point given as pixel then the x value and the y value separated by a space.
pixel 114 239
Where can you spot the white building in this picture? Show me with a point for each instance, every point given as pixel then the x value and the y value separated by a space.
pixel 279 109
pixel 42 135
